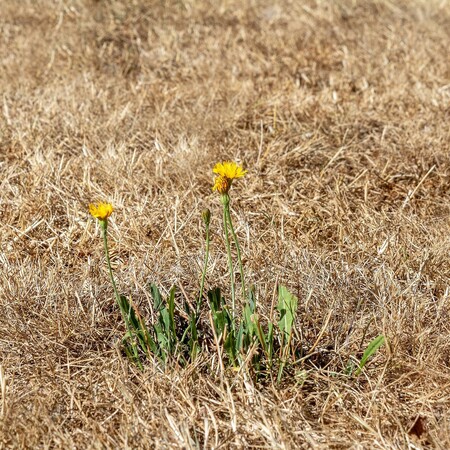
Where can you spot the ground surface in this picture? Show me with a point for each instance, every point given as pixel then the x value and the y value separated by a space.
pixel 339 111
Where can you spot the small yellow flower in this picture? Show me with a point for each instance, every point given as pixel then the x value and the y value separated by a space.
pixel 229 169
pixel 101 211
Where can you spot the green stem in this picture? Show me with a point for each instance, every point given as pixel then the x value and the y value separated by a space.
pixel 104 227
pixel 238 250
pixel 205 267
pixel 225 201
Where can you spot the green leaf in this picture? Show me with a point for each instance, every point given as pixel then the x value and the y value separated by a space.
pixel 241 339
pixel 371 349
pixel 260 334
pixel 270 343
pixel 171 305
pixel 249 321
pixel 252 300
pixel 230 346
pixel 160 332
pixel 287 307
pixel 215 299
pixel 220 315
pixel 219 322
pixel 158 303
pixel 137 329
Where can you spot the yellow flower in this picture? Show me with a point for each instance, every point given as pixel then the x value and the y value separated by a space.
pixel 229 169
pixel 101 211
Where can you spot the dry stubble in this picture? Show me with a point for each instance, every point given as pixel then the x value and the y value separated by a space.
pixel 339 110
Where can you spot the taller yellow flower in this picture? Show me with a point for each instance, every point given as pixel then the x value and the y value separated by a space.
pixel 227 171
pixel 101 211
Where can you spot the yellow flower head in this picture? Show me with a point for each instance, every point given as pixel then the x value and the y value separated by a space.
pixel 227 171
pixel 101 211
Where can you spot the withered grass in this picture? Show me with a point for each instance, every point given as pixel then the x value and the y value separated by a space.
pixel 340 112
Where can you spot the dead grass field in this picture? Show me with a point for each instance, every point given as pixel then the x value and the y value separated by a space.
pixel 340 112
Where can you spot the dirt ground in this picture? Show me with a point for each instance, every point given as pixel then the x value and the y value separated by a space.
pixel 339 111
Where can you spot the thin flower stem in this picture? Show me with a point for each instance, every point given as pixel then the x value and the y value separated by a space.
pixel 205 268
pixel 225 201
pixel 238 250
pixel 104 228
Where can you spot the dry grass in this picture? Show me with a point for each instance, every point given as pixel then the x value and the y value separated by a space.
pixel 340 111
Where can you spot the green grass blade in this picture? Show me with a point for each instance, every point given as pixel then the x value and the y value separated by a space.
pixel 270 343
pixel 229 346
pixel 371 349
pixel 171 310
pixel 261 336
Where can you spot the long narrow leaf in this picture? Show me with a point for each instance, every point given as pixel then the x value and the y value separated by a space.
pixel 171 307
pixel 287 307
pixel 157 298
pixel 371 349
